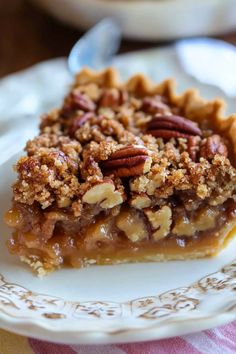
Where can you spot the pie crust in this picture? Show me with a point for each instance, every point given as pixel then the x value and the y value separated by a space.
pixel 125 173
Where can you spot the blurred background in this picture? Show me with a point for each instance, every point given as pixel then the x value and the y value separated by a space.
pixel 32 31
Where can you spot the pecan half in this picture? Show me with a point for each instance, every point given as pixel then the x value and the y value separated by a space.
pixel 132 160
pixel 172 126
pixel 193 146
pixel 78 122
pixel 76 101
pixel 213 145
pixel 113 97
pixel 153 105
pixel 160 221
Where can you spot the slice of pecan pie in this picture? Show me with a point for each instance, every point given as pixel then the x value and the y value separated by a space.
pixel 125 173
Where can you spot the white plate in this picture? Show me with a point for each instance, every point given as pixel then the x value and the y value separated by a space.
pixel 126 303
pixel 149 19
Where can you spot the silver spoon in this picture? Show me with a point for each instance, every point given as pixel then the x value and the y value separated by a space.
pixel 97 47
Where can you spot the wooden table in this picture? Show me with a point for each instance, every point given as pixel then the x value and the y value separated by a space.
pixel 28 36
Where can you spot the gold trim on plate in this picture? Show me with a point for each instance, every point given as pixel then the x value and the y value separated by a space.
pixel 18 302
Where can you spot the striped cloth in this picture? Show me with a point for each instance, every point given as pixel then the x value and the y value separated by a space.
pixel 217 341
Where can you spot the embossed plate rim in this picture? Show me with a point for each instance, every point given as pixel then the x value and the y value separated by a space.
pixel 166 328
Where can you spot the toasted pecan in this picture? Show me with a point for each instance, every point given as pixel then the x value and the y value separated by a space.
pixel 132 160
pixel 213 145
pixel 153 105
pixel 172 126
pixel 78 101
pixel 193 146
pixel 113 97
pixel 78 122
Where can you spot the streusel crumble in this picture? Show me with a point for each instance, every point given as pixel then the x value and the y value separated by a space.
pixel 125 173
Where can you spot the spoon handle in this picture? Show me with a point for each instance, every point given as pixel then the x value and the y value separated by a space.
pixel 96 47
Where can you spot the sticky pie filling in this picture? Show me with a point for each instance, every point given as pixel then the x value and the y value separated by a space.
pixel 125 173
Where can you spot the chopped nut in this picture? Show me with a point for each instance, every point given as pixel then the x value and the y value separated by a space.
pixel 103 194
pixel 213 145
pixel 205 220
pixel 132 225
pixel 100 232
pixel 184 227
pixel 78 122
pixel 161 221
pixel 140 201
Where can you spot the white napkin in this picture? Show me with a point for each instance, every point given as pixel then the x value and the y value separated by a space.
pixel 210 61
pixel 23 97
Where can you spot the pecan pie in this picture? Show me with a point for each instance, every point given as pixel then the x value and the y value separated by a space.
pixel 125 173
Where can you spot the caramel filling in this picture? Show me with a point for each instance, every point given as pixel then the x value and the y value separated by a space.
pixel 123 235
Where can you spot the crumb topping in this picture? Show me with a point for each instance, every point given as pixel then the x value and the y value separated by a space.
pixel 182 159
